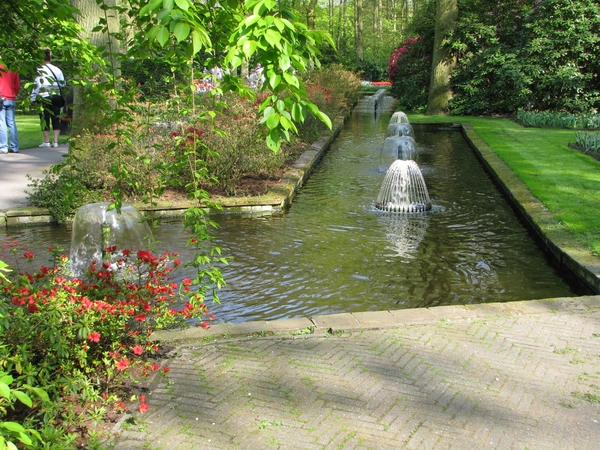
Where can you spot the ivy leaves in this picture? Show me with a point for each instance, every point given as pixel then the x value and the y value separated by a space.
pixel 269 35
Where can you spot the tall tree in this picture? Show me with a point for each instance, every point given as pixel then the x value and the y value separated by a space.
pixel 440 91
pixel 358 29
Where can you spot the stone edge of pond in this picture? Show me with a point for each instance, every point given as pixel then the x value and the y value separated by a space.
pixel 276 201
pixel 338 324
pixel 561 244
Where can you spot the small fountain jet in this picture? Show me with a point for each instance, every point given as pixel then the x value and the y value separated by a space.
pixel 403 189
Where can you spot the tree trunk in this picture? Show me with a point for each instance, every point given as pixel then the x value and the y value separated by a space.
pixel 310 14
pixel 358 24
pixel 331 15
pixel 443 62
pixel 89 18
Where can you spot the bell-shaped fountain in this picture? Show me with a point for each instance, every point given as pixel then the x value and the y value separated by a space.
pixel 399 117
pixel 399 129
pixel 403 189
pixel 407 148
pixel 95 229
pixel 397 147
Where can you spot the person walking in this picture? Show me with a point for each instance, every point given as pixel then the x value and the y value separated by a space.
pixel 48 90
pixel 10 84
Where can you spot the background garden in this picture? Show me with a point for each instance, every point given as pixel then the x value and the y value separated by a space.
pixel 162 106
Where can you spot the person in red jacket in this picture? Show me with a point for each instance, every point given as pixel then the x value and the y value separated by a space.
pixel 10 84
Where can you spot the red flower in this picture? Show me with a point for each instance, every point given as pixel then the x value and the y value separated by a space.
pixel 154 367
pixel 28 255
pixel 122 364
pixel 144 407
pixel 138 350
pixel 143 398
pixel 166 369
pixel 94 336
pixel 186 282
pixel 144 255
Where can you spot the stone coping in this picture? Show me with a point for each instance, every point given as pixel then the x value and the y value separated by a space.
pixel 563 247
pixel 369 320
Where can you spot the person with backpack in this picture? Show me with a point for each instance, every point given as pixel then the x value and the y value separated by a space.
pixel 48 90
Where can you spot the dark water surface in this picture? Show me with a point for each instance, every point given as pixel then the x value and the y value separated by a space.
pixel 333 252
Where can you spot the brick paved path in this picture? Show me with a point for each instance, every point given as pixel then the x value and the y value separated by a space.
pixel 514 376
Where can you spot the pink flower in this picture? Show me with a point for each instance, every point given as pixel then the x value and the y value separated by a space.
pixel 123 364
pixel 138 350
pixel 94 336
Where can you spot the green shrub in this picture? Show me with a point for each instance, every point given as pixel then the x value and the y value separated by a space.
pixel 335 91
pixel 409 71
pixel 558 119
pixel 62 193
pixel 588 141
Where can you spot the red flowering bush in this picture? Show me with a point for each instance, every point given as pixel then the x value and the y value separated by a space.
pixel 81 338
pixel 397 55
pixel 409 71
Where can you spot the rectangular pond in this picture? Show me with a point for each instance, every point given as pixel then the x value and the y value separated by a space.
pixel 333 252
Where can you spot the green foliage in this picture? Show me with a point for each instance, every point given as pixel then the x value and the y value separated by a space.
pixel 562 55
pixel 588 141
pixel 410 69
pixel 526 54
pixel 335 91
pixel 493 82
pixel 553 119
pixel 271 36
pixel 10 394
pixel 61 193
pixel 229 147
pixel 371 70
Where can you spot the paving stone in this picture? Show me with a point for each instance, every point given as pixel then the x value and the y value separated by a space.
pixel 492 378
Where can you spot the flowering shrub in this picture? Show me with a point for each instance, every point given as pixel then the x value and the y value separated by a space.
pixel 397 55
pixel 335 91
pixel 81 338
pixel 226 147
pixel 409 71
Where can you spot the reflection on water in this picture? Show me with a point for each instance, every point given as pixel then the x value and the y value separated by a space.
pixel 334 252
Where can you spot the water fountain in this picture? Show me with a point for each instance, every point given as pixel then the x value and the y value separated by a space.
pixel 397 147
pixel 403 189
pixel 95 229
pixel 399 117
pixel 399 129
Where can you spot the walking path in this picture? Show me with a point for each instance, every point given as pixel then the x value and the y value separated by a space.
pixel 14 168
pixel 522 375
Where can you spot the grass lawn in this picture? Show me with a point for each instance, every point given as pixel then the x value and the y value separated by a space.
pixel 565 180
pixel 30 131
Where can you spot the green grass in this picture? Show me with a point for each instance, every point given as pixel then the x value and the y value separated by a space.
pixel 30 131
pixel 565 180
